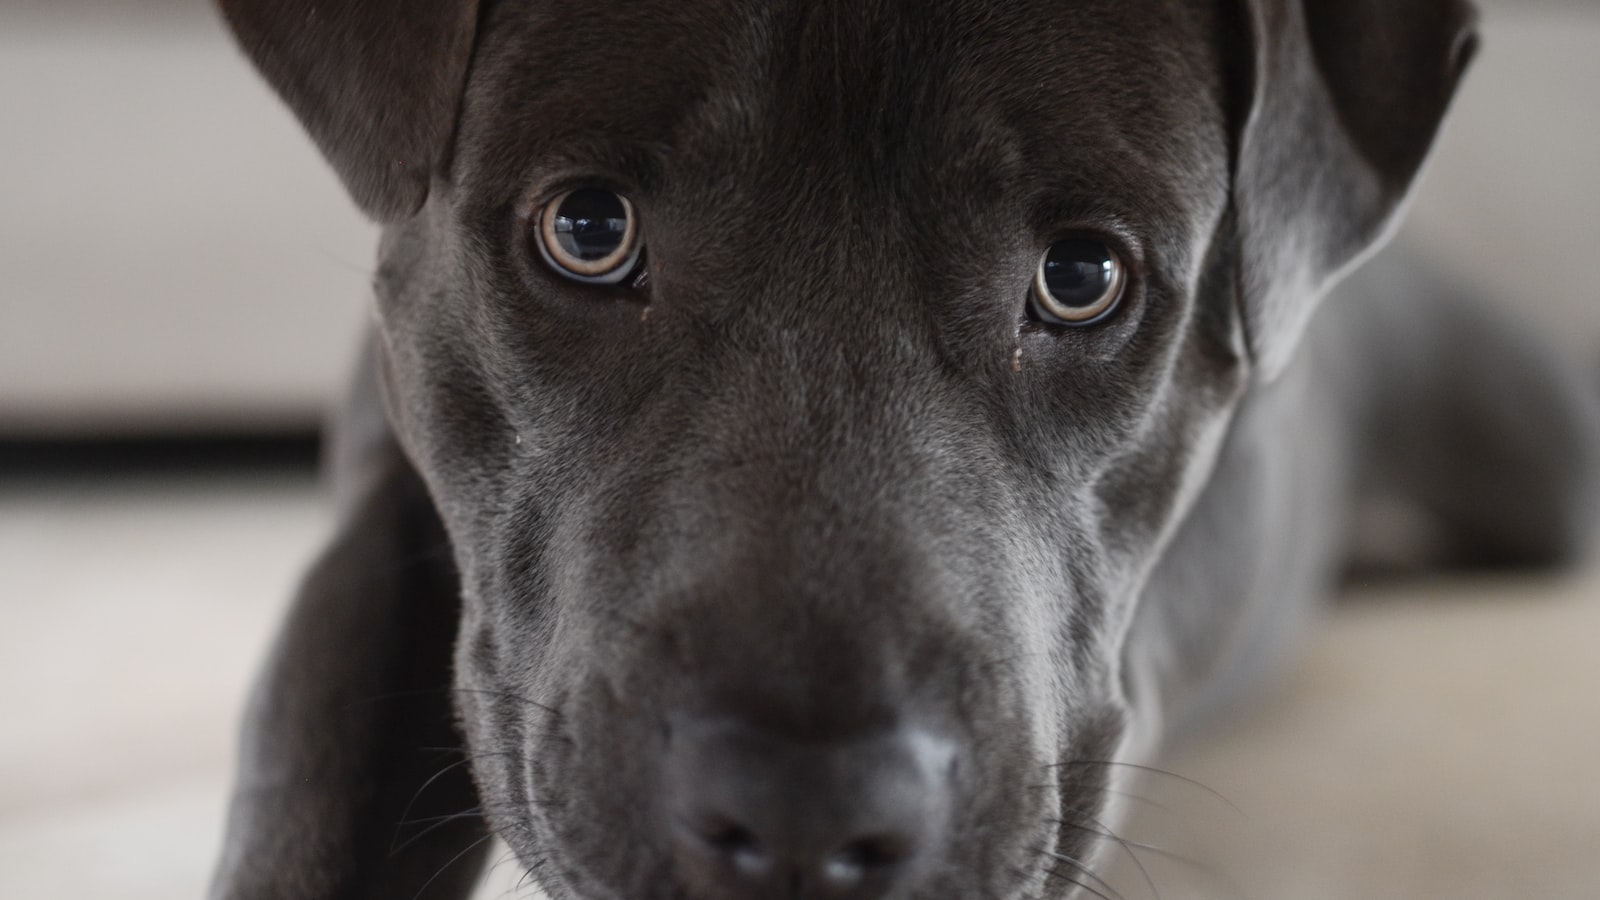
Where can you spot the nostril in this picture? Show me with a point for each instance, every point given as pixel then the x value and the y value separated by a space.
pixel 858 860
pixel 732 839
pixel 736 844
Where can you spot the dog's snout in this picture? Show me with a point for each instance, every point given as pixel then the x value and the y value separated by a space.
pixel 752 815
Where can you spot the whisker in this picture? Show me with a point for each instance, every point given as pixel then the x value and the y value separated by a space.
pixel 1108 833
pixel 1151 770
pixel 393 695
pixel 406 812
pixel 441 821
pixel 477 812
pixel 1084 868
pixel 1077 884
pixel 488 871
pixel 452 861
pixel 1200 866
pixel 513 891
pixel 1131 795
pixel 527 874
pixel 1154 804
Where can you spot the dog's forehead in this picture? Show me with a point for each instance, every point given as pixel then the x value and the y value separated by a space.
pixel 1125 93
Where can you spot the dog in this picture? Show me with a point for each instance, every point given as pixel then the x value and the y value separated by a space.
pixel 820 449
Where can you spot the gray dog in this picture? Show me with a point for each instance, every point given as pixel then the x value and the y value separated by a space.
pixel 814 448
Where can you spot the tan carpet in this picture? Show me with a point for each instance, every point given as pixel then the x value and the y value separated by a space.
pixel 1435 741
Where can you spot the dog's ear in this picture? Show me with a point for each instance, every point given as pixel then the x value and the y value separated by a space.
pixel 377 83
pixel 1339 113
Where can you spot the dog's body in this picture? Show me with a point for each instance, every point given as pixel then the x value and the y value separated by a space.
pixel 817 565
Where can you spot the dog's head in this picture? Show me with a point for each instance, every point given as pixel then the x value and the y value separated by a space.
pixel 808 388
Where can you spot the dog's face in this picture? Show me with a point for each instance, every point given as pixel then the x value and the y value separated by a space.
pixel 804 564
pixel 829 474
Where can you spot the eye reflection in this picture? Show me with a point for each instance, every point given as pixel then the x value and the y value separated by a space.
pixel 590 235
pixel 1078 282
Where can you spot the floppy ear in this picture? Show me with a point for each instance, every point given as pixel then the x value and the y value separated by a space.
pixel 376 83
pixel 1345 101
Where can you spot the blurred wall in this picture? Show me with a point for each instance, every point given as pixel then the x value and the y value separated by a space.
pixel 174 255
pixel 1512 197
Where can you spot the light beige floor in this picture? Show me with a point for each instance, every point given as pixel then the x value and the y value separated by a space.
pixel 130 617
pixel 1440 740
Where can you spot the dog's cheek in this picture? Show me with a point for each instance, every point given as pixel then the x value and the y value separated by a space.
pixel 493 723
pixel 600 783
pixel 437 354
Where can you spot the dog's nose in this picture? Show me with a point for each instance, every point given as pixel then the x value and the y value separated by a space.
pixel 754 816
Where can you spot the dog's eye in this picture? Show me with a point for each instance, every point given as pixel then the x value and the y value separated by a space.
pixel 589 235
pixel 1079 282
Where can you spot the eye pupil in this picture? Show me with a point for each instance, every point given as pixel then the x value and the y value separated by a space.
pixel 590 224
pixel 590 235
pixel 1077 273
pixel 1079 281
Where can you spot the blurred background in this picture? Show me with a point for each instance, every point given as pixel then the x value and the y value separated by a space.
pixel 181 287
